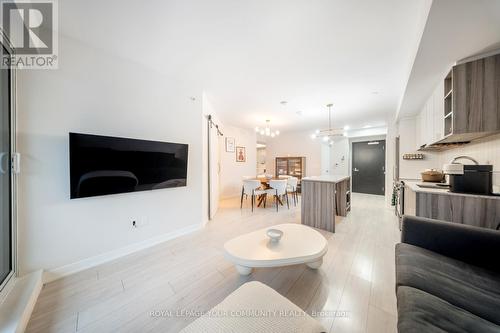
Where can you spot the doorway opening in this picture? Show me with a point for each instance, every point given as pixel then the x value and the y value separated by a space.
pixel 261 159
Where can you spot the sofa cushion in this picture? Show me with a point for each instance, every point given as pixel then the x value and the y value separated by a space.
pixel 419 312
pixel 471 288
pixel 255 308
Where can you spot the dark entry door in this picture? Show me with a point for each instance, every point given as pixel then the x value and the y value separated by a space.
pixel 368 167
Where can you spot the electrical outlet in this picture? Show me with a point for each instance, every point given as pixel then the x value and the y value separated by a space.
pixel 143 221
pixel 139 222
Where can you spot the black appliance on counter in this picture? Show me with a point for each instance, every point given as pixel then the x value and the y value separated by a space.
pixel 475 179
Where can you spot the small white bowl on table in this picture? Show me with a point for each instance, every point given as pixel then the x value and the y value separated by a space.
pixel 299 244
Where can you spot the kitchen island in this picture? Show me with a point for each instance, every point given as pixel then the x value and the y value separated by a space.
pixel 323 197
pixel 440 203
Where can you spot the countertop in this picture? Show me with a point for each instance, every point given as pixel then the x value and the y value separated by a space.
pixel 326 179
pixel 413 185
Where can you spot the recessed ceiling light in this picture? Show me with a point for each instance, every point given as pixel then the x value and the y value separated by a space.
pixel 346 128
pixel 366 126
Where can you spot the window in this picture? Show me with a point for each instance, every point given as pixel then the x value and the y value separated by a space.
pixel 6 178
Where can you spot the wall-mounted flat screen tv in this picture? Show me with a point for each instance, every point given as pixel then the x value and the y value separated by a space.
pixel 101 165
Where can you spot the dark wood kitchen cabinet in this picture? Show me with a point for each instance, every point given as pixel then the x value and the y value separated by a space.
pixel 472 100
pixel 465 209
pixel 476 87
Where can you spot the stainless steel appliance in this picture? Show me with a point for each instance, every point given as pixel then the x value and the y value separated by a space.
pixel 398 185
pixel 474 179
pixel 399 207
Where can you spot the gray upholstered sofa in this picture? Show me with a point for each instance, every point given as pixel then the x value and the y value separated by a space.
pixel 447 277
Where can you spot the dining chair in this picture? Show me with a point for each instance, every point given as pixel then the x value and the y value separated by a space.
pixel 291 187
pixel 246 178
pixel 251 187
pixel 278 189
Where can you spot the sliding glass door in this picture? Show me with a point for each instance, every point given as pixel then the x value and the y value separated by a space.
pixel 6 225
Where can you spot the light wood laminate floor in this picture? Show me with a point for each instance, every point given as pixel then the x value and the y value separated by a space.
pixel 356 279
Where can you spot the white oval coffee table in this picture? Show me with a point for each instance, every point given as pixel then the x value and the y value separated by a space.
pixel 299 244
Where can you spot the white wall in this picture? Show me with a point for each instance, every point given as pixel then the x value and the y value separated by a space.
pixel 411 169
pixel 99 93
pixel 232 172
pixel 390 158
pixel 295 144
pixel 340 157
pixel 326 159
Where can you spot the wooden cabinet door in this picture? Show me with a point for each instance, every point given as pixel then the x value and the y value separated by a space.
pixel 476 96
pixel 476 211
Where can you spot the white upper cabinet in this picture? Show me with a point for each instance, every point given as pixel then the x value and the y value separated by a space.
pixel 430 127
pixel 438 112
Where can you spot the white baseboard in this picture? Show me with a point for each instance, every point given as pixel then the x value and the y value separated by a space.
pixel 57 273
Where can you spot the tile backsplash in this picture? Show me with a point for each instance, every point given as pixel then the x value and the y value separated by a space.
pixel 486 151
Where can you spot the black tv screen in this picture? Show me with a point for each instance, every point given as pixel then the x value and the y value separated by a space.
pixel 101 165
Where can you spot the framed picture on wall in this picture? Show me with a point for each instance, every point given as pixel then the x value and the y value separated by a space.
pixel 240 154
pixel 230 145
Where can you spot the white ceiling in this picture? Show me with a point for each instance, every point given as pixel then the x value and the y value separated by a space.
pixel 250 55
pixel 455 29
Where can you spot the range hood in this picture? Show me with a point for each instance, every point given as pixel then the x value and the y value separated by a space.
pixel 441 146
pixel 455 140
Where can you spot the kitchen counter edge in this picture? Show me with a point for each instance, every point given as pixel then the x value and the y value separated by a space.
pixel 326 179
pixel 414 187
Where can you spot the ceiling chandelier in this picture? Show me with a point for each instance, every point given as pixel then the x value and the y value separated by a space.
pixel 267 130
pixel 328 134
